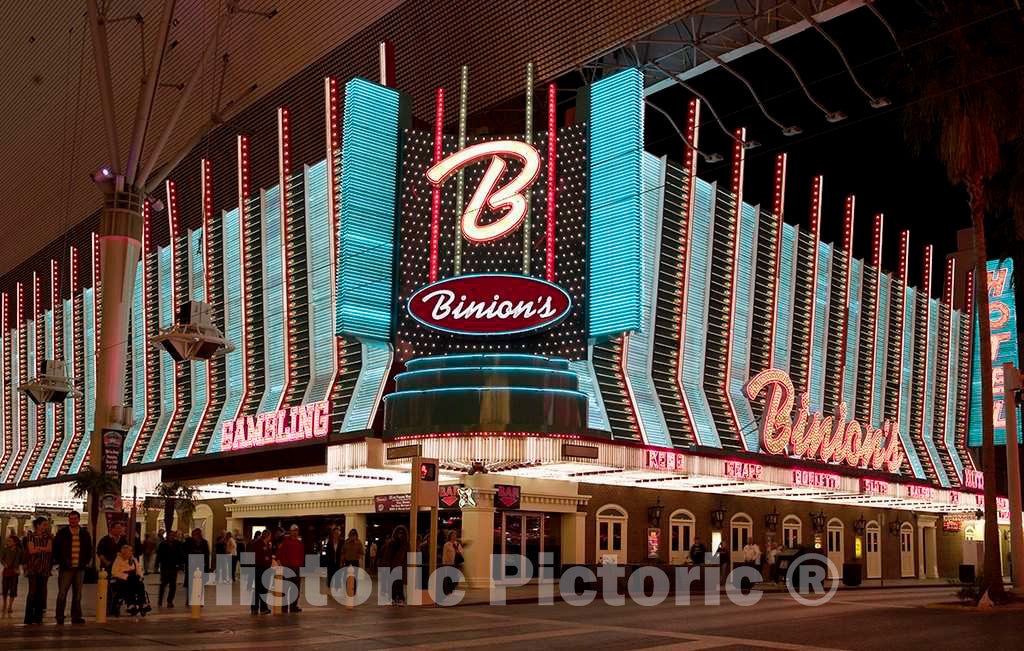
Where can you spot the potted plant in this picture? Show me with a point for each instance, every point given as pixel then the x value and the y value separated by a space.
pixel 90 484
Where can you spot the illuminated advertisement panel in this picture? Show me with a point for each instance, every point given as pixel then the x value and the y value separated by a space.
pixel 1003 320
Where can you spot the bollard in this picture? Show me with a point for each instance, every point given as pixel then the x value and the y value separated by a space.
pixel 350 588
pixel 278 596
pixel 101 597
pixel 195 596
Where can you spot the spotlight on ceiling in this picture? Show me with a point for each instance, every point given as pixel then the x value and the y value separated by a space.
pixel 835 116
pixel 157 205
pixel 713 158
pixel 751 144
pixel 792 131
pixel 102 174
pixel 52 385
pixel 193 335
pixel 880 102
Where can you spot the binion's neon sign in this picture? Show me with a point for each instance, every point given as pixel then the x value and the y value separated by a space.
pixel 813 436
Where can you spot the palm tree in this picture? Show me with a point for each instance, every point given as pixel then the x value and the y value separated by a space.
pixel 965 104
pixel 178 497
pixel 92 484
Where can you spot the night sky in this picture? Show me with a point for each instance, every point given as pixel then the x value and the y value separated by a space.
pixel 865 155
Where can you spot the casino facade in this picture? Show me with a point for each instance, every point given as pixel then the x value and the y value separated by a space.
pixel 614 356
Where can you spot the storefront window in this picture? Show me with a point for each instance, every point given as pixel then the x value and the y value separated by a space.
pixel 611 528
pixel 791 526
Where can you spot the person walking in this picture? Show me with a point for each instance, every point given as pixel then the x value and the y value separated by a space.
pixel 452 556
pixel 72 551
pixel 334 555
pixel 11 556
pixel 291 553
pixel 263 552
pixel 148 553
pixel 220 567
pixel 38 565
pixel 197 556
pixel 169 557
pixel 352 556
pixel 231 549
pixel 395 556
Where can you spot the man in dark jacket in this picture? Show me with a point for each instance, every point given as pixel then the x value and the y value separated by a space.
pixel 197 555
pixel 107 551
pixel 169 557
pixel 72 551
pixel 263 552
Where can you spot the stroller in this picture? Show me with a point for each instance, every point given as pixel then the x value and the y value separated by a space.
pixel 131 593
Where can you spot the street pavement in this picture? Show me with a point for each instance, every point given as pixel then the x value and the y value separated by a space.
pixel 890 618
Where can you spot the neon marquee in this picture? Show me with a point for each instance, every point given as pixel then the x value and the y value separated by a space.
pixel 287 425
pixel 921 492
pixel 829 439
pixel 813 479
pixel 744 470
pixel 665 460
pixel 874 486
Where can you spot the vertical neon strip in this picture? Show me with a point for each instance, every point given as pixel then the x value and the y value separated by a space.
pixel 460 179
pixel 778 210
pixel 690 165
pixel 951 353
pixel 206 191
pixel 926 295
pixel 72 367
pixel 529 191
pixel 967 319
pixel 904 256
pixel 848 263
pixel 549 266
pixel 8 414
pixel 172 220
pixel 145 333
pixel 435 196
pixel 736 187
pixel 243 201
pixel 815 228
pixel 284 167
pixel 333 143
pixel 876 262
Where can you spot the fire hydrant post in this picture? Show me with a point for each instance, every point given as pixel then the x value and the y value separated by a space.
pixel 195 596
pixel 278 589
pixel 101 597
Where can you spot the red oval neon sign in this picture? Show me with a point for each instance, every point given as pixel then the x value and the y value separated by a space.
pixel 489 304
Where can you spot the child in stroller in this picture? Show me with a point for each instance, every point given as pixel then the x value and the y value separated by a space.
pixel 128 586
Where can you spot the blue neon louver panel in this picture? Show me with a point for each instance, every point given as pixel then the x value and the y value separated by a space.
pixel 743 300
pixel 783 343
pixel 233 322
pixel 597 417
pixel 165 316
pixel 641 344
pixel 1002 290
pixel 50 418
pixel 15 407
pixel 818 331
pixel 138 368
pixel 69 421
pixel 929 391
pixel 273 301
pixel 89 390
pixel 881 349
pixel 30 429
pixel 200 395
pixel 906 377
pixel 369 198
pixel 949 436
pixel 616 144
pixel 698 276
pixel 377 356
pixel 852 328
pixel 321 294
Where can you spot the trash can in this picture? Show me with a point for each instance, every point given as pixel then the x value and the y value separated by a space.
pixel 851 574
pixel 967 573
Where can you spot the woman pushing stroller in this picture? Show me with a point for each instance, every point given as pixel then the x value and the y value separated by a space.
pixel 128 586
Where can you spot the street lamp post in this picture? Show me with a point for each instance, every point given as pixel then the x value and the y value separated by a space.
pixel 1011 387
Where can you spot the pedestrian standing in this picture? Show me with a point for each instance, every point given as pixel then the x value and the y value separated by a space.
pixel 395 556
pixel 290 553
pixel 371 554
pixel 334 553
pixel 169 556
pixel 38 565
pixel 11 557
pixel 220 567
pixel 231 549
pixel 197 556
pixel 452 556
pixel 352 556
pixel 72 551
pixel 148 552
pixel 263 552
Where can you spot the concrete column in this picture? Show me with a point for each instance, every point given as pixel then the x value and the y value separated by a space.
pixel 3 526
pixel 574 535
pixel 478 537
pixel 932 553
pixel 21 525
pixel 921 551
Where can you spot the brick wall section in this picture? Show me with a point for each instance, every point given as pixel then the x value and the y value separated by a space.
pixel 636 500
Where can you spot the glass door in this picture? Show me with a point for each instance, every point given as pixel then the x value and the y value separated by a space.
pixel 522 534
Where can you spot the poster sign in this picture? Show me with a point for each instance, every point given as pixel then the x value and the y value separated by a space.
pixel 448 496
pixel 506 496
pixel 113 453
pixel 392 503
pixel 1002 319
pixel 653 542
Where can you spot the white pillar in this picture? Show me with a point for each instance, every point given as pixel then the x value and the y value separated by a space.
pixel 932 556
pixel 574 534
pixel 478 538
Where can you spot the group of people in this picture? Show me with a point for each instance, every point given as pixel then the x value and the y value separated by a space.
pixel 764 561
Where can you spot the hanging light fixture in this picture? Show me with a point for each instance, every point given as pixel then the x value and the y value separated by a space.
pixel 771 520
pixel 818 521
pixel 654 512
pixel 860 525
pixel 717 518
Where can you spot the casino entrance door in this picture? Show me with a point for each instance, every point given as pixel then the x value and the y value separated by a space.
pixel 526 534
